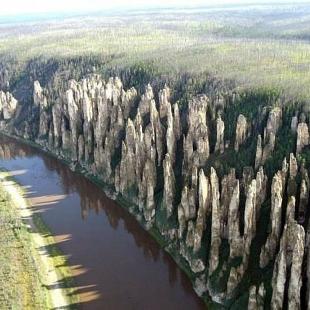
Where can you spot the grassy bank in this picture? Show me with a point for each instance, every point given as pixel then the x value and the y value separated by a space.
pixel 29 279
pixel 21 277
pixel 59 262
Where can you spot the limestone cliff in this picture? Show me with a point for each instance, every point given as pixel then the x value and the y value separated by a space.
pixel 8 106
pixel 221 188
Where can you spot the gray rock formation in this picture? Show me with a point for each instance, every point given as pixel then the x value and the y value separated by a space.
pixel 273 124
pixel 57 119
pixel 177 122
pixel 204 204
pixel 8 105
pixel 216 224
pixel 236 273
pixel 234 237
pixel 294 124
pixel 261 190
pixel 290 210
pixel 128 100
pixel 164 97
pixel 259 152
pixel 201 139
pixel 183 212
pixel 39 98
pixel 44 124
pixel 303 199
pixel 247 177
pixel 169 185
pixel 220 127
pixel 197 112
pixel 274 121
pixel 290 255
pixel 303 138
pixel 256 297
pixel 146 190
pixel 249 221
pixel 228 184
pixel 241 131
pixel 125 141
pixel 293 167
pixel 144 106
pixel 268 250
pixel 170 135
pixel 127 174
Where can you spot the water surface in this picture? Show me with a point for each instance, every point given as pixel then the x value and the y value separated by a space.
pixel 115 263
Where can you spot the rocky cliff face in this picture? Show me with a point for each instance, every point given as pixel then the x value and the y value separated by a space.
pixel 226 221
pixel 8 106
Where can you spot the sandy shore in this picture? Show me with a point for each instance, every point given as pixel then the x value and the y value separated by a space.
pixel 50 277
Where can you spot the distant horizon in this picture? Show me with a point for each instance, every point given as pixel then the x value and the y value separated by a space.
pixel 54 8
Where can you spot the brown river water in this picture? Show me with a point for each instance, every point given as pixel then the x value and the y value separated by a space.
pixel 115 263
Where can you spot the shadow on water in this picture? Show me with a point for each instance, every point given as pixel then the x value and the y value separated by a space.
pixel 114 262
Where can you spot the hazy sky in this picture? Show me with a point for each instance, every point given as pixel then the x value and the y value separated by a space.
pixel 10 7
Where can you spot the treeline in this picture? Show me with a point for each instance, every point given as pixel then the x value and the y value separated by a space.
pixel 54 74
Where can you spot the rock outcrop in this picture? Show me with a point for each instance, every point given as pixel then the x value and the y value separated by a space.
pixel 234 237
pixel 169 185
pixel 259 152
pixel 256 297
pixel 268 250
pixel 303 138
pixel 207 198
pixel 204 198
pixel 241 131
pixel 39 99
pixel 8 106
pixel 216 224
pixel 220 127
pixel 290 256
pixel 266 146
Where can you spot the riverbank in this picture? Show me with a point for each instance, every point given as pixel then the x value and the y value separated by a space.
pixel 26 264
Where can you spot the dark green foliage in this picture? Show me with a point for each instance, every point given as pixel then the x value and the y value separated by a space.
pixel 250 103
pixel 137 75
pixel 219 278
pixel 285 144
pixel 304 157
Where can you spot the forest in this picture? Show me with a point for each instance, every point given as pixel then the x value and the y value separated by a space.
pixel 194 120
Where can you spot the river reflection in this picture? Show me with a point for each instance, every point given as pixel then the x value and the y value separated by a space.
pixel 115 263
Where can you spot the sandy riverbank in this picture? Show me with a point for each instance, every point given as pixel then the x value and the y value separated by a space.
pixel 50 276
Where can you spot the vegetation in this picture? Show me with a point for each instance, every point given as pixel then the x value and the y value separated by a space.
pixel 22 272
pixel 254 45
pixel 20 275
pixel 59 261
pixel 262 58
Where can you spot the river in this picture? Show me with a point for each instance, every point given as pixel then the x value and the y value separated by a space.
pixel 115 263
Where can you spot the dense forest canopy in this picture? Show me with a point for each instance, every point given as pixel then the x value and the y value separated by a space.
pixel 256 45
